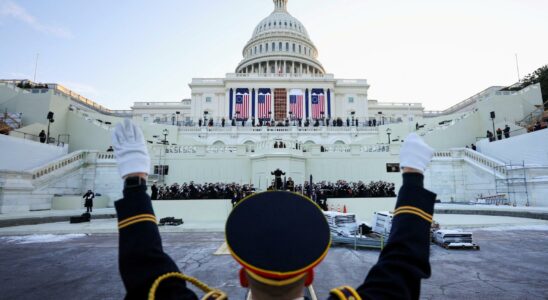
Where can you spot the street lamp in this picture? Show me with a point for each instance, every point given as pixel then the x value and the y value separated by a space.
pixel 165 132
pixel 50 120
pixel 389 132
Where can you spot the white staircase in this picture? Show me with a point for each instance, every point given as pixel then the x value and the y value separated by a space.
pixel 70 175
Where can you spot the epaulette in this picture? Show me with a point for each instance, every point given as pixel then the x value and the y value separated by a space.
pixel 414 211
pixel 345 293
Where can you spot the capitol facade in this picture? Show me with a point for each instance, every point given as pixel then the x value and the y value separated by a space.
pixel 279 78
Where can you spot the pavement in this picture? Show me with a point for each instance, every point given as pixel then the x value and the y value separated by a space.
pixel 97 226
pixel 540 213
pixel 84 266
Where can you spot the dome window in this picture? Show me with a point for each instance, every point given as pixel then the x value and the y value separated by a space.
pixel 285 23
pixel 260 48
pixel 287 47
pixel 299 49
pixel 280 46
pixel 293 47
pixel 273 46
pixel 266 48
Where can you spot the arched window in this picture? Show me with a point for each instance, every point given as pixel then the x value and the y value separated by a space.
pixel 265 47
pixel 293 47
pixel 280 46
pixel 260 48
pixel 255 49
pixel 286 46
pixel 299 49
pixel 273 46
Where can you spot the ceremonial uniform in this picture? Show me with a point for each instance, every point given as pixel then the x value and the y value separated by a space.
pixel 145 268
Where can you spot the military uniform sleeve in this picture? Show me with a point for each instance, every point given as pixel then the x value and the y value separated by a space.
pixel 405 259
pixel 141 257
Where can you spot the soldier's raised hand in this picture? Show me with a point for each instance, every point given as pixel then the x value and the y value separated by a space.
pixel 415 153
pixel 130 149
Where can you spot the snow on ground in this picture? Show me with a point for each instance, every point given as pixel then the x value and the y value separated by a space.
pixel 41 238
pixel 517 227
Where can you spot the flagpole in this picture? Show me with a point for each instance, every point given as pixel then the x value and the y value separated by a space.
pixel 517 67
pixel 36 66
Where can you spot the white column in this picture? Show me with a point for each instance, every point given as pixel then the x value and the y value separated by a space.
pixel 272 116
pixel 308 102
pixel 285 66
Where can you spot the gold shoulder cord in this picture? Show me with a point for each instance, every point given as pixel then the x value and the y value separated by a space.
pixel 210 293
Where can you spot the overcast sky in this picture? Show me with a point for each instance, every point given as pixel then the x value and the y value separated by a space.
pixel 437 52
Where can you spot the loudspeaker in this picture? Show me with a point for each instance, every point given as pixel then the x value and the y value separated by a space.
pixel 492 115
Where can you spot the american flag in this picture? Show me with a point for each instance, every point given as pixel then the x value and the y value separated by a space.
pixel 265 101
pixel 318 104
pixel 296 103
pixel 242 104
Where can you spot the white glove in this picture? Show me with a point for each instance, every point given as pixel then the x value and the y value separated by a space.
pixel 130 149
pixel 415 153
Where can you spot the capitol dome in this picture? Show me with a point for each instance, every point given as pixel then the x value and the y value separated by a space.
pixel 280 45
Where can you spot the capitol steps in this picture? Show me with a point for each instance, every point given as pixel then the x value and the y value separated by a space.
pixel 72 174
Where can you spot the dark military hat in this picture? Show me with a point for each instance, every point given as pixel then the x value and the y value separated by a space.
pixel 277 235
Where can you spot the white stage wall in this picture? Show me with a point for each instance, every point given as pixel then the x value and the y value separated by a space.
pixel 217 211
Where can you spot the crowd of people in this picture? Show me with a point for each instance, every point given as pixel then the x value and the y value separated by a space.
pixel 345 189
pixel 206 190
pixel 236 192
pixel 335 122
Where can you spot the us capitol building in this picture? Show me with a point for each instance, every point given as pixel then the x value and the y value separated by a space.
pixel 228 130
pixel 279 78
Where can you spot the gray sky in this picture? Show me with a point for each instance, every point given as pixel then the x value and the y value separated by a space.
pixel 117 52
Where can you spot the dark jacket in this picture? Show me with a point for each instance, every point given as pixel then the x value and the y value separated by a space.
pixel 89 199
pixel 397 275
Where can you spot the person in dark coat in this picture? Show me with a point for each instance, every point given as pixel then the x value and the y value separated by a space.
pixel 154 191
pixel 499 134
pixel 278 178
pixel 88 203
pixel 148 272
pixel 506 131
pixel 490 136
pixel 290 184
pixel 42 136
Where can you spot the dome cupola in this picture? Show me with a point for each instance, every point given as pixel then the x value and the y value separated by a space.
pixel 280 45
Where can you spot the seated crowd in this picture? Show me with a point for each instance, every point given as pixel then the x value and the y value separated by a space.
pixel 235 192
pixel 204 191
pixel 345 189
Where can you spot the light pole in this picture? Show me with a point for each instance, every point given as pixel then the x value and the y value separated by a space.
pixel 50 120
pixel 165 132
pixel 388 132
pixel 493 120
